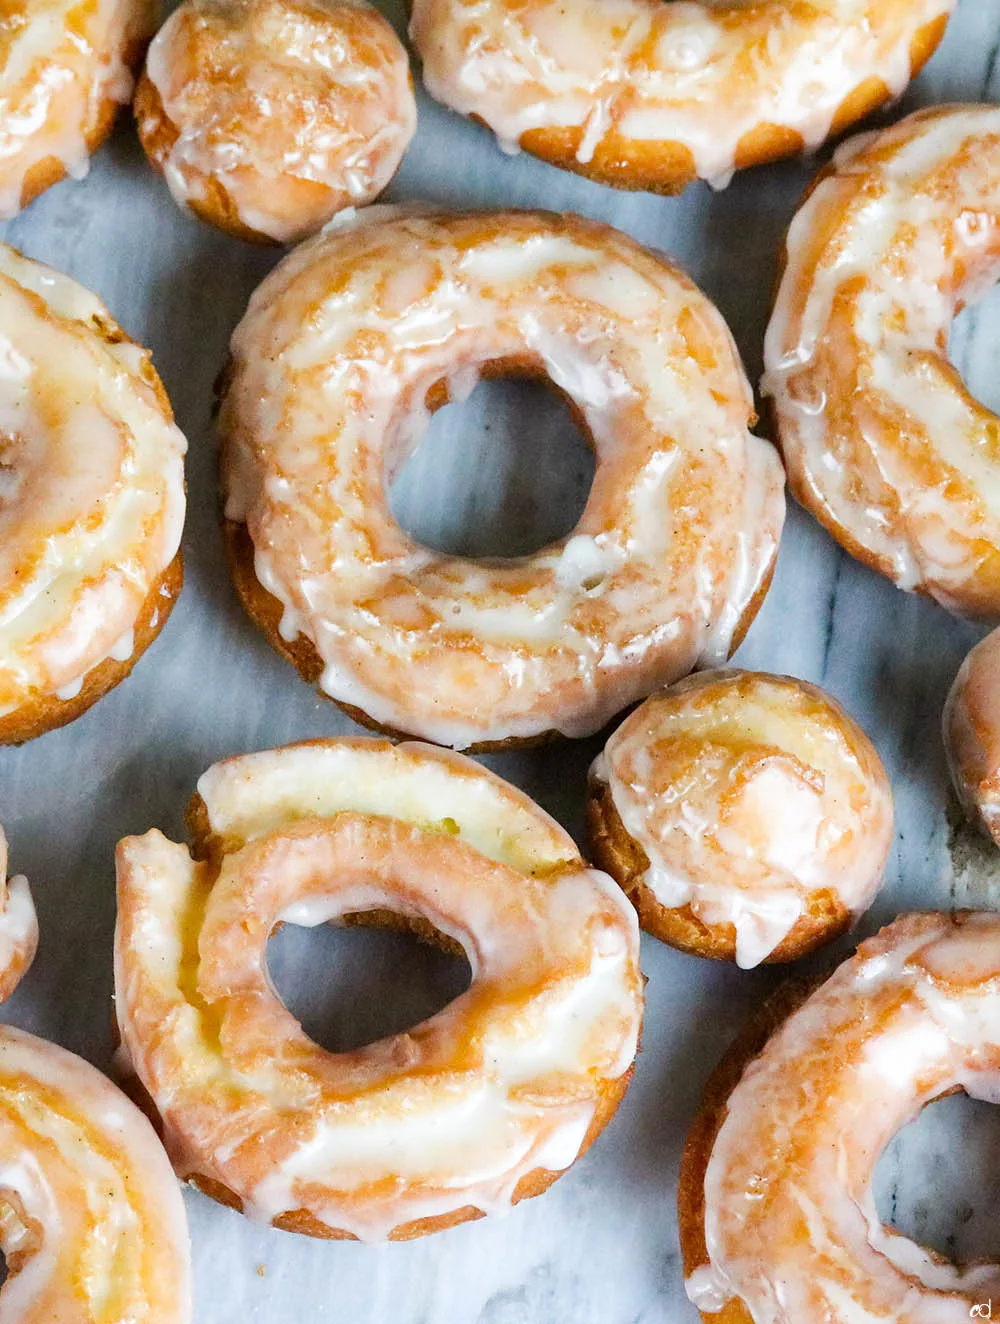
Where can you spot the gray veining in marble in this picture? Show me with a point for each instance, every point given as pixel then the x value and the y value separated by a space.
pixel 502 470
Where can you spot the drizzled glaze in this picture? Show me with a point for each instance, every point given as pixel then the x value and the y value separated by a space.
pixel 640 78
pixel 295 109
pixel 790 1222
pixel 91 1218
pixel 971 727
pixel 64 65
pixel 91 483
pixel 332 366
pixel 881 439
pixel 18 926
pixel 750 795
pixel 514 1076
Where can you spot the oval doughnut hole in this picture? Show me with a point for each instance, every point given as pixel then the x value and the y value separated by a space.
pixel 938 1181
pixel 972 348
pixel 351 986
pixel 501 474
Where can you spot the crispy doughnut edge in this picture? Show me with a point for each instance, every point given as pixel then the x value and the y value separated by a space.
pixel 708 1122
pixel 617 853
pixel 668 168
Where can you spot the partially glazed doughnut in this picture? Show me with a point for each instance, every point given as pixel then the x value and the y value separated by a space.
pixel 65 68
pixel 747 816
pixel 972 733
pixel 882 441
pixel 18 926
pixel 478 1107
pixel 645 95
pixel 777 1218
pixel 91 500
pixel 267 117
pixel 342 353
pixel 92 1223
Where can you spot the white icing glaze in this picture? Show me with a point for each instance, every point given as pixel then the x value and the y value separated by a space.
pixel 18 926
pixel 295 108
pixel 790 1220
pixel 750 794
pixel 91 484
pixel 971 727
pixel 327 395
pixel 91 1217
pixel 61 63
pixel 625 75
pixel 504 1081
pixel 881 439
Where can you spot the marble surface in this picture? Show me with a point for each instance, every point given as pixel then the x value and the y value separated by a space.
pixel 503 472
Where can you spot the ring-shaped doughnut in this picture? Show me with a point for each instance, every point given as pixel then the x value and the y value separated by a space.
pixel 645 95
pixel 971 726
pixel 267 117
pixel 92 1223
pixel 18 926
pixel 343 351
pixel 91 500
pixel 777 1218
pixel 881 438
pixel 478 1107
pixel 65 69
pixel 746 815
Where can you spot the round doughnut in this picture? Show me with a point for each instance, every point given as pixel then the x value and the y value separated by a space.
pixel 92 1223
pixel 972 733
pixel 345 349
pixel 65 68
pixel 267 117
pixel 476 1108
pixel 91 500
pixel 777 1218
pixel 882 441
pixel 645 95
pixel 747 816
pixel 18 927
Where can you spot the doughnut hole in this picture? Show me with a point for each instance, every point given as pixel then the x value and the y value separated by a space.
pixel 972 347
pixel 938 1181
pixel 502 473
pixel 374 976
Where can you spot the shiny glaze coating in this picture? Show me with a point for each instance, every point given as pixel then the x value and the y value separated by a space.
pixel 65 68
pixel 760 812
pixel 91 498
pixel 642 94
pixel 482 1104
pixel 92 1224
pixel 267 117
pixel 778 1220
pixel 882 441
pixel 971 727
pixel 18 926
pixel 342 353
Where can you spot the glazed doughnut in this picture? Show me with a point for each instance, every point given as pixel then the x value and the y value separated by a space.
pixel 478 1107
pixel 267 117
pixel 645 95
pixel 91 500
pixel 66 68
pixel 972 733
pixel 882 441
pixel 777 1218
pixel 747 816
pixel 18 926
pixel 345 349
pixel 92 1223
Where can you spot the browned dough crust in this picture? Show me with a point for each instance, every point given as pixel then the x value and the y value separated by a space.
pixel 617 853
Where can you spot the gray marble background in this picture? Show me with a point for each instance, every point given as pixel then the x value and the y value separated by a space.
pixel 502 472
